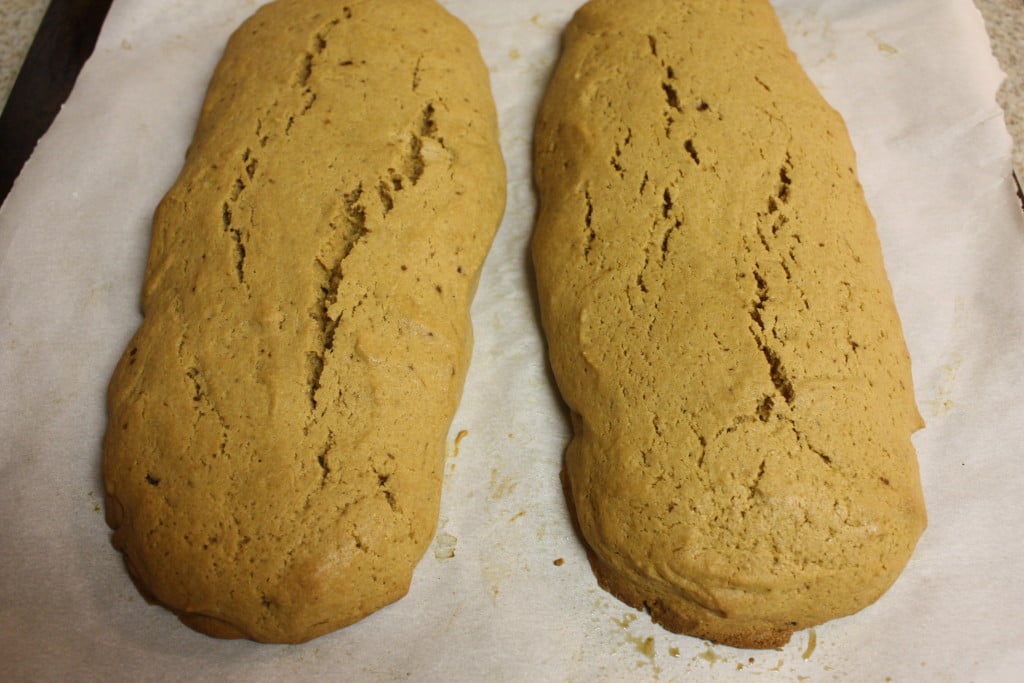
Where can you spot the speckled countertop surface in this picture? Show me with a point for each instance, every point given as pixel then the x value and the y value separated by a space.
pixel 1005 22
pixel 19 20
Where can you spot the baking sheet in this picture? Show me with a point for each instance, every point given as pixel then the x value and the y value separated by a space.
pixel 505 593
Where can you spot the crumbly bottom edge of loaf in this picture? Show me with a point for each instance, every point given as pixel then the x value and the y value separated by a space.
pixel 211 626
pixel 216 627
pixel 680 617
pixel 677 616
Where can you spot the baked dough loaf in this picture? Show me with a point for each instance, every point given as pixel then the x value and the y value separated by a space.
pixel 721 326
pixel 277 425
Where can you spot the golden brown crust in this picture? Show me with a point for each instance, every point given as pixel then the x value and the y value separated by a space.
pixel 276 432
pixel 721 326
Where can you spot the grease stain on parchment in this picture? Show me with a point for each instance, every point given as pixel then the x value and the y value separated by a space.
pixel 882 45
pixel 943 403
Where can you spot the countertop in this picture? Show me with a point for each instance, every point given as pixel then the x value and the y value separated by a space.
pixel 19 20
pixel 1005 22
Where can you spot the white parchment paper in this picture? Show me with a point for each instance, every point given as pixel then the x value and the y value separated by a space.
pixel 505 592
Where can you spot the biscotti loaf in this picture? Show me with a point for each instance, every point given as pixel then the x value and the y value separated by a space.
pixel 721 326
pixel 277 425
